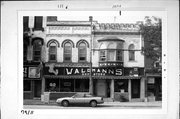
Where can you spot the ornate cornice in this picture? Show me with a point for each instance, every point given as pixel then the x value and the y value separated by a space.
pixel 69 35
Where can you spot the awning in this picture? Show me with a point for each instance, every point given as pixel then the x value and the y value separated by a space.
pixel 94 77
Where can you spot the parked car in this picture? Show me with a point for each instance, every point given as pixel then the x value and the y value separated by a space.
pixel 80 98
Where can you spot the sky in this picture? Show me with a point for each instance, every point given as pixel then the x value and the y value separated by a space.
pixel 108 16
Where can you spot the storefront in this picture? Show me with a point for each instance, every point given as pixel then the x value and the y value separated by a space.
pixel 117 83
pixel 31 81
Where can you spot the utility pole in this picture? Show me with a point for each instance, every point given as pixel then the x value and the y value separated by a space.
pixel 90 76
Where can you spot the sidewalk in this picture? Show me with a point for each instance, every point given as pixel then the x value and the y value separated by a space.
pixel 123 104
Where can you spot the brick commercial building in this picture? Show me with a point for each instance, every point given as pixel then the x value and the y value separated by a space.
pixel 65 57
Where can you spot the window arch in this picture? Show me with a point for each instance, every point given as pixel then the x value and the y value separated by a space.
pixel 82 50
pixel 37 45
pixel 52 51
pixel 67 51
pixel 53 41
pixel 131 50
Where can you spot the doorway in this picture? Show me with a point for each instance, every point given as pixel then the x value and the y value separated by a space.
pixel 135 88
pixel 37 89
pixel 101 88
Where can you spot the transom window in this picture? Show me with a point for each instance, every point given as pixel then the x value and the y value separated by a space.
pixel 52 52
pixel 67 51
pixel 37 50
pixel 82 51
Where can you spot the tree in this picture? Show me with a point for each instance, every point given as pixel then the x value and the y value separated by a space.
pixel 152 32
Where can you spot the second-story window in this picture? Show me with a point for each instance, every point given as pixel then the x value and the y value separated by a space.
pixel 38 23
pixel 119 54
pixel 25 51
pixel 37 50
pixel 102 55
pixel 82 52
pixel 111 55
pixel 67 52
pixel 131 52
pixel 52 52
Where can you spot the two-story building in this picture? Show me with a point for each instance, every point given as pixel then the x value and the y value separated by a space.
pixel 86 56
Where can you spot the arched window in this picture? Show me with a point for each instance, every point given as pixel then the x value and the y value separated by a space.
pixel 52 52
pixel 82 52
pixel 37 44
pixel 67 51
pixel 131 52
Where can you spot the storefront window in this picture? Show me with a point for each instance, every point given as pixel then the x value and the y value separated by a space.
pixel 121 86
pixel 67 85
pixel 81 85
pixel 27 85
pixel 52 85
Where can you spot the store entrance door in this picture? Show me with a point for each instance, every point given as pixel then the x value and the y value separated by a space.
pixel 37 89
pixel 135 88
pixel 101 88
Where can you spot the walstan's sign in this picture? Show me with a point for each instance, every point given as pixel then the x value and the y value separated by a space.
pixel 51 70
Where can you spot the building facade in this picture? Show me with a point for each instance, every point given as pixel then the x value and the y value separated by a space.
pixel 65 57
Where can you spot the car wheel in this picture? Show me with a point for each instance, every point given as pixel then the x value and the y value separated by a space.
pixel 93 103
pixel 65 103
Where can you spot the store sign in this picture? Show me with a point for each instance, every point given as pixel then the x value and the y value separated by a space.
pixel 113 71
pixel 134 72
pixel 33 73
pixel 95 71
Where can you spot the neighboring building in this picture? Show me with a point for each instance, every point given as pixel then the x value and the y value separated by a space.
pixel 153 73
pixel 62 50
pixel 33 43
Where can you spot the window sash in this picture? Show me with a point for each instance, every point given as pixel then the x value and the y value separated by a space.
pixel 67 52
pixel 102 55
pixel 119 55
pixel 82 54
pixel 52 53
pixel 131 55
pixel 111 55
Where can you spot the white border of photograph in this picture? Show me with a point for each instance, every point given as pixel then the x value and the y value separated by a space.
pixel 12 57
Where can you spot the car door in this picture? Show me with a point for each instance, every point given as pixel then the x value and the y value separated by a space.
pixel 79 98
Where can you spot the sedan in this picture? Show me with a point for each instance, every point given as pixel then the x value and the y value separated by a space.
pixel 80 98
